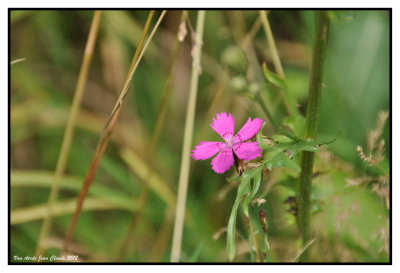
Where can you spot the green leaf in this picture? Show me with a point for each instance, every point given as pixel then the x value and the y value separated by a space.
pixel 261 143
pixel 248 191
pixel 256 176
pixel 273 78
pixel 281 138
pixel 243 189
pixel 302 146
pixel 231 232
pixel 196 253
pixel 292 147
pixel 281 160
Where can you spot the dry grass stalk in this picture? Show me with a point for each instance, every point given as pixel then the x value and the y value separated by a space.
pixel 275 55
pixel 187 142
pixel 376 147
pixel 143 198
pixel 358 181
pixel 374 135
pixel 109 127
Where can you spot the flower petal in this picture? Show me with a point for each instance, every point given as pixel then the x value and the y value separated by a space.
pixel 247 150
pixel 207 149
pixel 224 125
pixel 223 161
pixel 249 129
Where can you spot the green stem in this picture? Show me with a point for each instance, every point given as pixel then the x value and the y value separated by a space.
pixel 187 141
pixel 313 104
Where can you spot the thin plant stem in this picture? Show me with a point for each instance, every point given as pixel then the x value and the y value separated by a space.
pixel 274 54
pixel 301 251
pixel 251 34
pixel 187 141
pixel 143 198
pixel 271 43
pixel 69 130
pixel 252 239
pixel 109 127
pixel 313 105
pixel 272 120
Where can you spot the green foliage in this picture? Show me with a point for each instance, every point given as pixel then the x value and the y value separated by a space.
pixel 355 88
pixel 273 78
pixel 244 189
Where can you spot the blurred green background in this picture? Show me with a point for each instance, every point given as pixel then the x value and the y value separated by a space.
pixel 350 223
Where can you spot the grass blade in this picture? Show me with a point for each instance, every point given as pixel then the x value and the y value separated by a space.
pixel 44 179
pixel 33 213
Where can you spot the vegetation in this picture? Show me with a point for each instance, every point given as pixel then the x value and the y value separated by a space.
pixel 107 105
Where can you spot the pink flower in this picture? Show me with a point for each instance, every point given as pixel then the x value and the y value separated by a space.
pixel 224 125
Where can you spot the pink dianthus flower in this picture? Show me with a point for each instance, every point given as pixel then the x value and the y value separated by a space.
pixel 224 125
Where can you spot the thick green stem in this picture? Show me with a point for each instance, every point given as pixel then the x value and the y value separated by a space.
pixel 313 103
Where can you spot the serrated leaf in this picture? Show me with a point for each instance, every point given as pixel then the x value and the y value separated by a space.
pixel 273 78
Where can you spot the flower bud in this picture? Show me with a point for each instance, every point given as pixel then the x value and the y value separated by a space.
pixel 235 59
pixel 238 84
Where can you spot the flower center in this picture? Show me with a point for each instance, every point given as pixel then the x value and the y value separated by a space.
pixel 230 142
